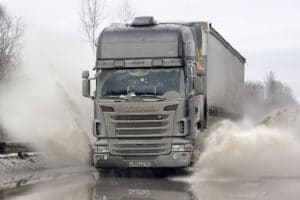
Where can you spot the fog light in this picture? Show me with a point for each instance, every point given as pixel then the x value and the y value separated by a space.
pixel 100 149
pixel 175 156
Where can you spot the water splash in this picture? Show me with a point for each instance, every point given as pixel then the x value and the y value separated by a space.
pixel 245 150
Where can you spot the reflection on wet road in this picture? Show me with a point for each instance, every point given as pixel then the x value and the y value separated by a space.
pixel 139 188
pixel 92 186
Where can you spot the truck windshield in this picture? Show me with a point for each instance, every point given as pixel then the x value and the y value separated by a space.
pixel 140 82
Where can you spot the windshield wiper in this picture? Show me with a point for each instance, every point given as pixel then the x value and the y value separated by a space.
pixel 152 97
pixel 126 98
pixel 116 98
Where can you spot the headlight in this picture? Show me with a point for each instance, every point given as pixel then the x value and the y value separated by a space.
pixel 100 149
pixel 177 148
pixel 182 147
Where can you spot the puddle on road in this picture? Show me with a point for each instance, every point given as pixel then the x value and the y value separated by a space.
pixel 91 185
pixel 85 187
pixel 105 188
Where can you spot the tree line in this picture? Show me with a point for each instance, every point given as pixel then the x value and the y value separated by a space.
pixel 263 97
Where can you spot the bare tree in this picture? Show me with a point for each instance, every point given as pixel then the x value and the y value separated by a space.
pixel 254 99
pixel 10 32
pixel 278 93
pixel 261 99
pixel 254 90
pixel 92 17
pixel 126 12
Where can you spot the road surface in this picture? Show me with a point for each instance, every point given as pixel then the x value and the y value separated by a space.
pixel 80 183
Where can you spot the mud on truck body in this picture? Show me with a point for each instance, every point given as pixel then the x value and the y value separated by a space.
pixel 158 88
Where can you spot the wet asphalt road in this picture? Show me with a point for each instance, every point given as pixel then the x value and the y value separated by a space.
pixel 88 184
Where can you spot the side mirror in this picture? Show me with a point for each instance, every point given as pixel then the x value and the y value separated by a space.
pixel 86 88
pixel 85 74
pixel 199 85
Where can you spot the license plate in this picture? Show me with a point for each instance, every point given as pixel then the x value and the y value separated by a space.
pixel 139 192
pixel 139 164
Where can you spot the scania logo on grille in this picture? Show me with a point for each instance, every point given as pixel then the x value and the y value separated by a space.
pixel 138 109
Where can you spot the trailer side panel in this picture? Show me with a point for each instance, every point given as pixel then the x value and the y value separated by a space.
pixel 225 79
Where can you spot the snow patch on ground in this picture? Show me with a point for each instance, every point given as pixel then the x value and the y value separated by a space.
pixel 25 178
pixel 33 161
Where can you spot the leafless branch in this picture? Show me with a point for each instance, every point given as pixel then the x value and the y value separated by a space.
pixel 11 31
pixel 126 12
pixel 92 17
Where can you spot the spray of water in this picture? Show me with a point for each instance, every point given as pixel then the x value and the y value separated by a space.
pixel 42 103
pixel 245 150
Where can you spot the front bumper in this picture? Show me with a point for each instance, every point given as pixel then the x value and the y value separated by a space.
pixel 174 159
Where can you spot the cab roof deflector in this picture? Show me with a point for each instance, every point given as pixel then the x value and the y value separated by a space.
pixel 144 21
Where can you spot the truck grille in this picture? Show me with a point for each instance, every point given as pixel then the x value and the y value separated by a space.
pixel 139 147
pixel 141 125
pixel 139 117
pixel 135 133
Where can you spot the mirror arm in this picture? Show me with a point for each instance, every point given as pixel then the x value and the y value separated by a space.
pixel 192 93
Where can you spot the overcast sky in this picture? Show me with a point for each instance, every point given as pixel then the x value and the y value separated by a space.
pixel 266 32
